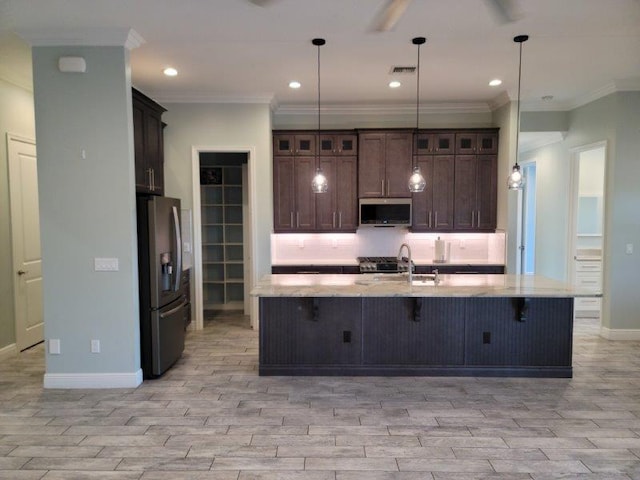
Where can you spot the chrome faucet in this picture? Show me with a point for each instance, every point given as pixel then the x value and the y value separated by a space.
pixel 408 262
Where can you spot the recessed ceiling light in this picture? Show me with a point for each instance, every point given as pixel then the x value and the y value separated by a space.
pixel 295 84
pixel 170 72
pixel 394 84
pixel 495 82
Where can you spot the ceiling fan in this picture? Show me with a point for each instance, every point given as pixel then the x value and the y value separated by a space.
pixel 505 11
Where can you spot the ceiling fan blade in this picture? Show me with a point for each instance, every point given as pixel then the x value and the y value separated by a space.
pixel 261 3
pixel 505 11
pixel 389 15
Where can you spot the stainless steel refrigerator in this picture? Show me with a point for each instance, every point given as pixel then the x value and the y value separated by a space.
pixel 163 304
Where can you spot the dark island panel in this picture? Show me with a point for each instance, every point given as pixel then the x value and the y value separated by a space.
pixel 435 336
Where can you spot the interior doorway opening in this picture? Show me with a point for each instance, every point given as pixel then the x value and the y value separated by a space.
pixel 528 245
pixel 223 208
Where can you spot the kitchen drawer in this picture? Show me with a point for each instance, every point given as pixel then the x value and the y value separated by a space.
pixel 587 303
pixel 588 266
pixel 588 281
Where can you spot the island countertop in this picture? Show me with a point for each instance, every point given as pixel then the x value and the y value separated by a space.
pixel 392 285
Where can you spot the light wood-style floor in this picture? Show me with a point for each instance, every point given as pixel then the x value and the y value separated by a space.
pixel 213 418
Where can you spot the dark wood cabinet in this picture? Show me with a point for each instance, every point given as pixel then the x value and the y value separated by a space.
pixel 310 331
pixel 294 144
pixel 412 331
pixel 384 164
pixel 294 201
pixel 338 144
pixel 336 210
pixel 465 269
pixel 433 208
pixel 148 143
pixel 296 207
pixel 434 143
pixel 461 336
pixel 315 269
pixel 475 185
pixel 530 332
pixel 474 142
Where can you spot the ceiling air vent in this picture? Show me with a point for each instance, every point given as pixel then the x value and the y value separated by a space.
pixel 403 70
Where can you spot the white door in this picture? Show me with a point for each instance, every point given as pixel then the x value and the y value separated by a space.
pixel 25 236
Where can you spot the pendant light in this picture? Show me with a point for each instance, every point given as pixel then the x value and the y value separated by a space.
pixel 417 182
pixel 516 180
pixel 319 183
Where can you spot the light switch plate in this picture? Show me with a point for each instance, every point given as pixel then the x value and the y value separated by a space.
pixel 629 249
pixel 54 346
pixel 105 264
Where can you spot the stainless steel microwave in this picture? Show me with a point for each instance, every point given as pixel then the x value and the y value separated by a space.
pixel 384 212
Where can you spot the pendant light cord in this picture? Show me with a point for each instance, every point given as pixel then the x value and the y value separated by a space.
pixel 418 92
pixel 318 140
pixel 518 117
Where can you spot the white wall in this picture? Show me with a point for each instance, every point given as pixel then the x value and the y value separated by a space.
pixel 87 210
pixel 220 126
pixel 17 117
pixel 552 209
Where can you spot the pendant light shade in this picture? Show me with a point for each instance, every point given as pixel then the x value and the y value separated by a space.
pixel 417 183
pixel 516 180
pixel 319 183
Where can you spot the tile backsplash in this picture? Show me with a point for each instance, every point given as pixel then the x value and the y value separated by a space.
pixel 344 248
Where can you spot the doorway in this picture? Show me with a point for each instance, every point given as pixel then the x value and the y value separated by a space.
pixel 528 245
pixel 588 167
pixel 223 231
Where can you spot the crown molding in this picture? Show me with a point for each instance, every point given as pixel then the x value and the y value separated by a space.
pixel 92 37
pixel 259 98
pixel 539 140
pixel 373 109
pixel 497 102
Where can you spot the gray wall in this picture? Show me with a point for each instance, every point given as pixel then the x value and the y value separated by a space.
pixel 616 118
pixel 222 126
pixel 87 209
pixel 17 117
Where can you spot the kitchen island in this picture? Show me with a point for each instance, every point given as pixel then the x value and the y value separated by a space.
pixel 459 325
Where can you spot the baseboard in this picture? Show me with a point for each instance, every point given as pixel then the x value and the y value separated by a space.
pixel 632 334
pixel 93 380
pixel 8 351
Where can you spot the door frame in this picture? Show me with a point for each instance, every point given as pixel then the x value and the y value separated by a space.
pixel 197 226
pixel 574 180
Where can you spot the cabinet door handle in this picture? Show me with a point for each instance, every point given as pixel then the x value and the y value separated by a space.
pixel 298 219
pixel 388 189
pixel 478 218
pixel 149 179
pixel 473 218
pixel 436 222
pixel 382 187
pixel 339 219
pixel 429 218
pixel 334 220
pixel 291 219
pixel 153 180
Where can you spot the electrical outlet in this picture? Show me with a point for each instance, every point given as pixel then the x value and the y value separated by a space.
pixel 54 346
pixel 95 346
pixel 105 264
pixel 629 249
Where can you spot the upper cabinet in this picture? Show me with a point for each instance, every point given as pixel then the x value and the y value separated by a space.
pixel 475 192
pixel 295 207
pixel 338 144
pixel 384 164
pixel 294 144
pixel 435 143
pixel 477 143
pixel 148 144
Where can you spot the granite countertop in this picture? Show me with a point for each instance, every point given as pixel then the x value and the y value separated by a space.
pixel 395 285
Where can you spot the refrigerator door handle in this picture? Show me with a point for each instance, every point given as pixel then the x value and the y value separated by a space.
pixel 176 226
pixel 173 310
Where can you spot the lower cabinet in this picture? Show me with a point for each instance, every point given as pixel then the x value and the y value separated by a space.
pixel 456 336
pixel 519 332
pixel 310 331
pixel 412 331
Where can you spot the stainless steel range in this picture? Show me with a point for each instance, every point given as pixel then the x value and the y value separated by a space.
pixel 383 265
